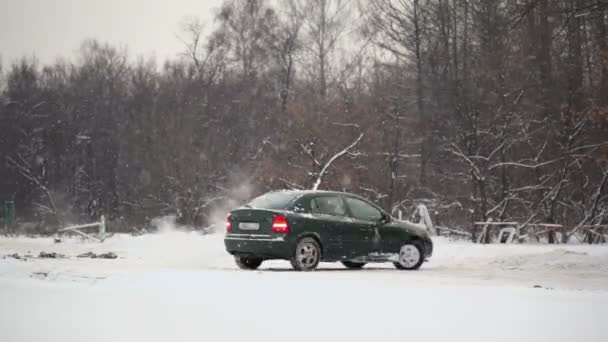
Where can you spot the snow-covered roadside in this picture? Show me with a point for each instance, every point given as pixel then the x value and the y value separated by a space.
pixel 554 266
pixel 184 287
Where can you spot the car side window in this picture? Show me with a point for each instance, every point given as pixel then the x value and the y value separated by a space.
pixel 362 210
pixel 327 205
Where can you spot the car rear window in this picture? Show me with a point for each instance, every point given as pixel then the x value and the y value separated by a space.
pixel 274 200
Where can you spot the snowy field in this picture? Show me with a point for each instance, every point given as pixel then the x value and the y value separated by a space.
pixel 184 287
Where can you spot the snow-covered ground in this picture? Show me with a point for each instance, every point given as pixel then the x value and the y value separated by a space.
pixel 184 287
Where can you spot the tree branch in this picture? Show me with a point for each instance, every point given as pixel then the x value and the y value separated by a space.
pixel 334 158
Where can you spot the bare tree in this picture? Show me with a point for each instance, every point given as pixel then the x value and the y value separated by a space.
pixel 325 24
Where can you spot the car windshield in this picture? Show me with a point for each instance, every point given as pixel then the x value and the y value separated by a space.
pixel 273 200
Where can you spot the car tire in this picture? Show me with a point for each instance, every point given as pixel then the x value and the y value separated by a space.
pixel 353 265
pixel 411 257
pixel 307 255
pixel 246 263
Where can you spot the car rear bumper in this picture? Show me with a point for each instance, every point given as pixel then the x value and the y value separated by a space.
pixel 259 245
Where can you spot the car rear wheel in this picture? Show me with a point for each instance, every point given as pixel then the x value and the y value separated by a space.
pixel 410 257
pixel 246 263
pixel 307 255
pixel 353 265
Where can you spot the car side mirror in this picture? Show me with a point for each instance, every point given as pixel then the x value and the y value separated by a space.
pixel 386 218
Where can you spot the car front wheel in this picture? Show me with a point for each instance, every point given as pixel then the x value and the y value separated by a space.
pixel 410 257
pixel 307 255
pixel 245 263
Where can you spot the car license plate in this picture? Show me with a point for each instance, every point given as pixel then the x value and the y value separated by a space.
pixel 249 226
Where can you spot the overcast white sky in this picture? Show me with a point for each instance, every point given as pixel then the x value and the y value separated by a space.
pixel 50 29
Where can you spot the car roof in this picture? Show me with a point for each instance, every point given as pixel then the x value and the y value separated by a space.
pixel 316 192
pixel 301 193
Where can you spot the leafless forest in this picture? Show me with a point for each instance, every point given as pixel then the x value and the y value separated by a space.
pixel 479 109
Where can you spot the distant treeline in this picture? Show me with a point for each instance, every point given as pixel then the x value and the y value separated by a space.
pixel 479 109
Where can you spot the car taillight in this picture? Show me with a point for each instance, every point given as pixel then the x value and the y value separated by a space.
pixel 279 224
pixel 228 224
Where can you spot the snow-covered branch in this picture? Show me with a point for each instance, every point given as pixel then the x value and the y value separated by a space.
pixel 309 152
pixel 592 212
pixel 291 185
pixel 457 152
pixel 528 166
pixel 334 158
pixel 376 193
pixel 25 170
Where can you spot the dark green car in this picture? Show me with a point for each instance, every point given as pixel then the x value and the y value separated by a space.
pixel 306 227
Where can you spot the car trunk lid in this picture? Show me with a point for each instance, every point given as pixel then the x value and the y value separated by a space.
pixel 252 221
